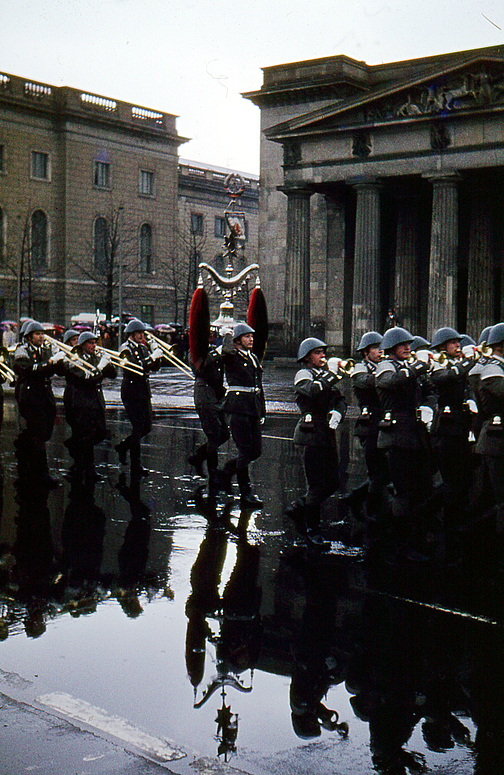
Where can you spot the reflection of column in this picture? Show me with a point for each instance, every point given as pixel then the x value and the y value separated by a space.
pixel 297 269
pixel 480 280
pixel 366 289
pixel 442 307
pixel 407 278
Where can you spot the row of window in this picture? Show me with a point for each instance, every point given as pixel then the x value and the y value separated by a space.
pixel 36 243
pixel 41 310
pixel 40 169
pixel 198 225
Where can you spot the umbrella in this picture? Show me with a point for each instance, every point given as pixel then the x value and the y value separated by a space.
pixel 164 328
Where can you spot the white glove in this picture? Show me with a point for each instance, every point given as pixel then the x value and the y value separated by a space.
pixel 57 357
pixel 424 356
pixel 426 414
pixel 468 351
pixel 261 421
pixel 226 330
pixel 104 361
pixel 333 365
pixel 471 403
pixel 334 419
pixel 157 353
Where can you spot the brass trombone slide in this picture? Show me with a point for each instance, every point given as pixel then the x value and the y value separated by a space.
pixel 5 369
pixel 169 354
pixel 124 363
pixel 71 355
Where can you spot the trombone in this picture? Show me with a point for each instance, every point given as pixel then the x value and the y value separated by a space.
pixel 483 350
pixel 124 363
pixel 169 354
pixel 71 355
pixel 341 368
pixel 5 369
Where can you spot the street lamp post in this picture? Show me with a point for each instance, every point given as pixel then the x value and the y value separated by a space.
pixel 120 275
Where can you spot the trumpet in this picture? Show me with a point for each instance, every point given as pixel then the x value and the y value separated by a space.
pixel 483 351
pixel 169 354
pixel 71 355
pixel 124 363
pixel 341 368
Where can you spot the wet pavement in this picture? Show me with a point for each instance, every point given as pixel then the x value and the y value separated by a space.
pixel 138 634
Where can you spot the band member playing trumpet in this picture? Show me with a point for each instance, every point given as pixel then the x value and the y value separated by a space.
pixel 85 406
pixel 136 393
pixel 34 365
pixel 366 426
pixel 322 408
pixel 451 422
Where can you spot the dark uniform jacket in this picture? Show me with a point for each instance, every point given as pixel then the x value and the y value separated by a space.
pixel 317 395
pixel 451 415
pixel 491 438
pixel 400 393
pixel 135 389
pixel 364 389
pixel 243 370
pixel 84 401
pixel 209 383
pixel 33 390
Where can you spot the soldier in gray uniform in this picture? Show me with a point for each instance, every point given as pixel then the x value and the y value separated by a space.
pixel 322 408
pixel 402 434
pixel 366 427
pixel 491 439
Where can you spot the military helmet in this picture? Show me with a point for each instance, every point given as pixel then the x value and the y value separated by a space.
pixel 419 343
pixel 484 334
pixel 240 329
pixel 496 334
pixel 33 327
pixel 69 334
pixel 443 335
pixel 135 325
pixel 24 326
pixel 85 337
pixel 368 339
pixel 395 336
pixel 307 345
pixel 465 339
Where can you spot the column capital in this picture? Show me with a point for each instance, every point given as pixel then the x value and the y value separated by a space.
pixel 365 181
pixel 442 176
pixel 291 189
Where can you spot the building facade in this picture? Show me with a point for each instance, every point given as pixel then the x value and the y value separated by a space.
pixel 382 188
pixel 203 202
pixel 88 193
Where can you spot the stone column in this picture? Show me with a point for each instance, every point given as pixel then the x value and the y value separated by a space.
pixel 407 270
pixel 336 324
pixel 366 307
pixel 480 281
pixel 442 306
pixel 297 269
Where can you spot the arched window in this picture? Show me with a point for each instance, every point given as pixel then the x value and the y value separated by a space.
pixel 145 248
pixel 39 240
pixel 101 246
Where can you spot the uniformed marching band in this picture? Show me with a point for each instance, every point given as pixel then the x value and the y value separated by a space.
pixel 430 423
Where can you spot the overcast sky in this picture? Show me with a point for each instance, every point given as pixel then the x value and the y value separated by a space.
pixel 194 59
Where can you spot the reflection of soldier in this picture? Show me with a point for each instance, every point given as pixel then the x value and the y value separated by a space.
pixel 134 552
pixel 136 394
pixel 33 364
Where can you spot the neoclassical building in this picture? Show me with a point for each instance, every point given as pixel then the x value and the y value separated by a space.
pixel 382 186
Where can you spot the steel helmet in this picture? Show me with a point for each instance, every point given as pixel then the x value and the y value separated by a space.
pixel 368 339
pixel 496 334
pixel 443 335
pixel 240 329
pixel 32 328
pixel 135 325
pixel 85 337
pixel 465 339
pixel 484 334
pixel 307 345
pixel 71 332
pixel 419 343
pixel 394 336
pixel 24 326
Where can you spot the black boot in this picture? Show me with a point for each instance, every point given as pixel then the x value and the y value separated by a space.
pixel 198 459
pixel 122 449
pixel 296 512
pixel 248 499
pixel 313 536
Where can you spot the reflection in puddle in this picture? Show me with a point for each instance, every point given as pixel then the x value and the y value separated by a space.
pixel 219 630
